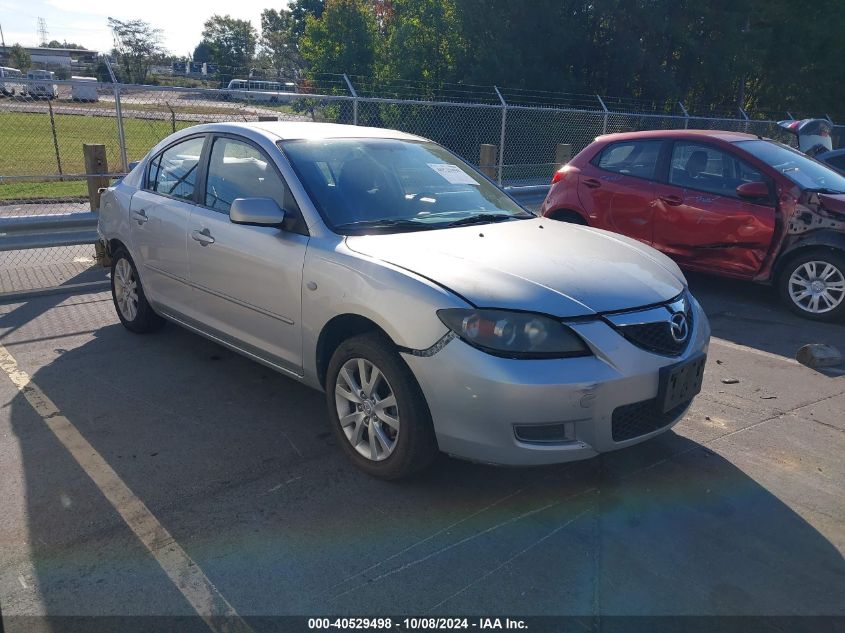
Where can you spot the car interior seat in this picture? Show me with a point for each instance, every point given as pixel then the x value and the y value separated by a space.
pixel 366 189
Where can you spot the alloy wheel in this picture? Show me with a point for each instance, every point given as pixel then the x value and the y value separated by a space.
pixel 126 289
pixel 367 409
pixel 817 287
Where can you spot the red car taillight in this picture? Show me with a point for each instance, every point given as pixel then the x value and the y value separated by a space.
pixel 560 174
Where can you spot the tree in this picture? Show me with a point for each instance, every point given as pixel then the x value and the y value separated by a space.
pixel 424 40
pixel 137 45
pixel 342 40
pixel 300 11
pixel 203 53
pixel 63 44
pixel 231 42
pixel 19 57
pixel 279 47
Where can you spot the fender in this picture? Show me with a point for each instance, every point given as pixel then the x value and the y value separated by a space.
pixel 824 238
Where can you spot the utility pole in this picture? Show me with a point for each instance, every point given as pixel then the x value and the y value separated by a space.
pixel 2 39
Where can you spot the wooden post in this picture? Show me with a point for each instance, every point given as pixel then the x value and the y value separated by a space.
pixel 95 164
pixel 487 160
pixel 563 154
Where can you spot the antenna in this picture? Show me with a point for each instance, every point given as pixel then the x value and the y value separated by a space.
pixel 42 31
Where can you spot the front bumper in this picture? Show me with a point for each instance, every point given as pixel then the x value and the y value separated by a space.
pixel 477 399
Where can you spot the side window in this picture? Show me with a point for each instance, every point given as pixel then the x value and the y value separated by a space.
pixel 632 158
pixel 697 166
pixel 838 162
pixel 239 170
pixel 173 172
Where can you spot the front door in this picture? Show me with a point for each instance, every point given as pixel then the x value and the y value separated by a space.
pixel 247 280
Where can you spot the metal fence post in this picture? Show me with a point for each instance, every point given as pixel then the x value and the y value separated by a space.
pixel 121 134
pixel 744 116
pixel 686 115
pixel 502 136
pixel 603 107
pixel 354 99
pixel 55 139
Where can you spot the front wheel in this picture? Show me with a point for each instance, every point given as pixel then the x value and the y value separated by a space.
pixel 813 284
pixel 133 309
pixel 377 410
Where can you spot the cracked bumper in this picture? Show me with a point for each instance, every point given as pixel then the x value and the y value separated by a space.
pixel 476 399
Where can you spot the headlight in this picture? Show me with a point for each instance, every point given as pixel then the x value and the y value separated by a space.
pixel 514 334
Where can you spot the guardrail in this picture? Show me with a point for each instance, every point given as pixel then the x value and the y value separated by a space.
pixel 47 231
pixel 73 229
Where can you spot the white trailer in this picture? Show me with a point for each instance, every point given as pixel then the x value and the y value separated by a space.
pixel 84 89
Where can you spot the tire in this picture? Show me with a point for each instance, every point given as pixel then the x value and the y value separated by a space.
pixel 570 217
pixel 821 272
pixel 403 447
pixel 125 281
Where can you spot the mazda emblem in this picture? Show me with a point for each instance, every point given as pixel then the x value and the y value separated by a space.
pixel 679 327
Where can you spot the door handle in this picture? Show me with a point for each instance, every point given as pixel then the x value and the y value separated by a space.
pixel 672 200
pixel 139 216
pixel 203 237
pixel 592 183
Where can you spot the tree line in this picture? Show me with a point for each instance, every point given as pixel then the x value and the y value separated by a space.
pixel 719 55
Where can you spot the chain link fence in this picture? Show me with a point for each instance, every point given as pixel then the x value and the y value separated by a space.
pixel 44 124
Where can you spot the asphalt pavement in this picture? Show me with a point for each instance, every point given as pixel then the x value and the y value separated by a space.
pixel 737 511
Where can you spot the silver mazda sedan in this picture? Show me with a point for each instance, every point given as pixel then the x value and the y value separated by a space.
pixel 433 310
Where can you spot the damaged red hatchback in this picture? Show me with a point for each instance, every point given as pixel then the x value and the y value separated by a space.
pixel 718 202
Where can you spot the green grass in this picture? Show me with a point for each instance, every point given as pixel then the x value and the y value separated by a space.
pixel 27 149
pixel 34 190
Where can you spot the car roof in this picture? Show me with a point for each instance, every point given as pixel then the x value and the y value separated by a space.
pixel 304 130
pixel 721 135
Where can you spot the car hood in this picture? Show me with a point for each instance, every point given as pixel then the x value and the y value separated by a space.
pixel 834 202
pixel 541 265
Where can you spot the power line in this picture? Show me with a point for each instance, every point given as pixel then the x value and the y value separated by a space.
pixel 42 31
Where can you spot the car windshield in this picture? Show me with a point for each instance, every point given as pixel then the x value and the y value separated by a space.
pixel 370 185
pixel 804 171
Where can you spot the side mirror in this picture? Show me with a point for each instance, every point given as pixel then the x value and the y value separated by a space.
pixel 753 190
pixel 256 211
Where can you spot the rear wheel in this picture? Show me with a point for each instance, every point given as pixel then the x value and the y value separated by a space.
pixel 378 412
pixel 813 284
pixel 133 309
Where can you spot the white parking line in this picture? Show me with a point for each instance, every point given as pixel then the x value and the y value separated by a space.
pixel 185 574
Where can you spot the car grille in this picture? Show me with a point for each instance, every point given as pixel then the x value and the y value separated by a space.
pixel 655 337
pixel 651 328
pixel 632 420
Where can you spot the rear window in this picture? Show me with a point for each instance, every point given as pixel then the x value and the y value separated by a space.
pixel 632 158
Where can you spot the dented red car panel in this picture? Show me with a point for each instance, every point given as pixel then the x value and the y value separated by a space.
pixel 705 230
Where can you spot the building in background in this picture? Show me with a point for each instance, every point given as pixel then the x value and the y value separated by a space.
pixel 63 61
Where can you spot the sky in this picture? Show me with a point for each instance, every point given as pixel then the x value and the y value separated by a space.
pixel 84 21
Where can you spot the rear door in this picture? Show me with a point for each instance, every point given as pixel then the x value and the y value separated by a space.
pixel 701 222
pixel 617 187
pixel 247 280
pixel 159 215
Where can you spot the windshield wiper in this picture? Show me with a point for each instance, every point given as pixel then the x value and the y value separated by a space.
pixel 485 218
pixel 396 223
